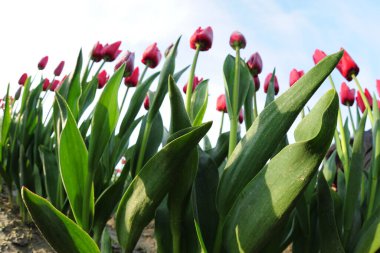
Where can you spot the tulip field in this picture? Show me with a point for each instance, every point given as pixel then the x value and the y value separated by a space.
pixel 73 163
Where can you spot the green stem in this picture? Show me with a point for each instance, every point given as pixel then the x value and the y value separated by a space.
pixel 125 96
pixel 351 119
pixel 47 89
pixel 47 116
pixel 255 113
pixel 143 74
pixel 221 124
pixel 100 68
pixel 87 72
pixel 365 100
pixel 143 145
pixel 189 91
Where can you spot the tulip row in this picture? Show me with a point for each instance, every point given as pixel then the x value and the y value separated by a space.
pixel 250 193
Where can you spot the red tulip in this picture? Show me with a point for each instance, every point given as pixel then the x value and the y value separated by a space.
pixel 45 84
pixel 203 38
pixel 378 87
pixel 151 56
pixel 59 68
pixel 128 59
pixel 54 85
pixel 241 117
pixel 347 67
pixel 146 102
pixel 102 79
pixel 132 80
pixel 221 105
pixel 196 81
pixel 294 76
pixel 22 79
pixel 256 81
pixel 237 40
pixel 318 55
pixel 255 64
pixel 97 52
pixel 267 81
pixel 111 52
pixel 347 95
pixel 360 101
pixel 43 62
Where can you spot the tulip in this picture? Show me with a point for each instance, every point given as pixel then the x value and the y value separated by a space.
pixel 237 40
pixel 347 95
pixel 111 52
pixel 97 52
pixel 151 56
pixel 146 103
pixel 196 81
pixel 378 87
pixel 241 118
pixel 43 62
pixel 256 82
pixel 255 64
pixel 132 80
pixel 128 59
pixel 18 93
pixel 267 82
pixel 102 79
pixel 294 76
pixel 22 79
pixel 45 84
pixel 360 102
pixel 318 55
pixel 59 68
pixel 347 67
pixel 221 105
pixel 54 85
pixel 202 38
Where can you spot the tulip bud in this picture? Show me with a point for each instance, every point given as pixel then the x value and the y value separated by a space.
pixel 151 56
pixel 255 64
pixel 294 76
pixel 347 67
pixel 203 38
pixel 18 93
pixel 132 80
pixel 59 68
pixel 102 79
pixel 43 62
pixel 318 55
pixel 237 40
pixel 54 85
pixel 256 82
pixel 22 79
pixel 196 81
pixel 45 84
pixel 146 102
pixel 347 95
pixel 97 52
pixel 221 105
pixel 267 82
pixel 128 59
pixel 360 102
pixel 241 117
pixel 111 52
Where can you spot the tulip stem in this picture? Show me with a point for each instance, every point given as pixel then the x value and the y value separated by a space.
pixel 351 118
pixel 365 100
pixel 189 90
pixel 100 68
pixel 221 124
pixel 140 160
pixel 143 74
pixel 255 114
pixel 87 72
pixel 125 96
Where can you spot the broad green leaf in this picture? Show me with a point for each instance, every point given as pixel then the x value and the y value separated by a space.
pixel 51 173
pixel 25 94
pixel 268 128
pixel 368 239
pixel 271 92
pixel 248 105
pixel 60 231
pixel 162 231
pixel 147 190
pixel 220 151
pixel 273 191
pixel 75 89
pixel 329 169
pixel 106 244
pixel 5 123
pixel 199 101
pixel 88 95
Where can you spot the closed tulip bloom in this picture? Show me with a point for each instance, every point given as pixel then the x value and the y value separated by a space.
pixel 54 85
pixel 267 82
pixel 111 52
pixel 43 62
pixel 318 55
pixel 347 66
pixel 203 38
pixel 360 102
pixel 129 60
pixel 255 64
pixel 378 87
pixel 196 81
pixel 97 52
pixel 221 105
pixel 132 80
pixel 146 102
pixel 347 95
pixel 237 40
pixel 102 79
pixel 45 84
pixel 18 93
pixel 151 56
pixel 22 79
pixel 59 68
pixel 294 76
pixel 256 81
pixel 241 117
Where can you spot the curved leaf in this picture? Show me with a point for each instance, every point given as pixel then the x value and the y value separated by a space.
pixel 199 101
pixel 75 89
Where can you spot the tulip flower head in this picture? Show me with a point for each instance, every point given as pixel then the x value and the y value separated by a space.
pixel 360 102
pixel 378 87
pixel 221 104
pixel 22 79
pixel 111 52
pixel 18 93
pixel 318 55
pixel 146 102
pixel 132 80
pixel 59 68
pixel 203 38
pixel 43 62
pixel 237 40
pixel 97 52
pixel 294 76
pixel 267 82
pixel 256 82
pixel 151 56
pixel 128 59
pixel 54 85
pixel 45 84
pixel 347 95
pixel 347 66
pixel 255 64
pixel 102 79
pixel 241 117
pixel 196 81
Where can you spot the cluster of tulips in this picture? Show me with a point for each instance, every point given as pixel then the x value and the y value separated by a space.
pixel 248 193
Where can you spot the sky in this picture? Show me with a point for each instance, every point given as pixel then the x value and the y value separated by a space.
pixel 285 33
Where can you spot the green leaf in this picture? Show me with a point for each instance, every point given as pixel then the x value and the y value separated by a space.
pixel 199 101
pixel 368 239
pixel 61 232
pixel 5 123
pixel 178 75
pixel 150 186
pixel 273 191
pixel 248 105
pixel 75 89
pixel 51 173
pixel 329 169
pixel 25 94
pixel 270 126
pixel 270 92
pixel 88 95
